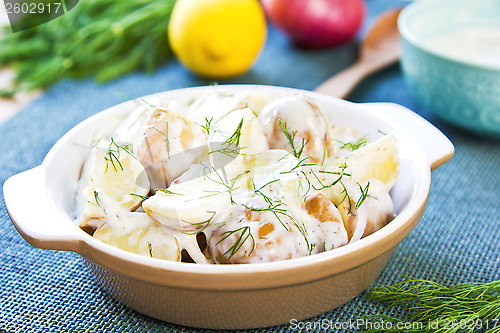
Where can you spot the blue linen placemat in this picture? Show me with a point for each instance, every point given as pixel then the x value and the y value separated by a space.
pixel 456 241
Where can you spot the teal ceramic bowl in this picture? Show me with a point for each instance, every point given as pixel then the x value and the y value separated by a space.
pixel 451 60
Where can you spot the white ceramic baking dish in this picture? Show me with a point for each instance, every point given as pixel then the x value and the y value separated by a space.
pixel 230 296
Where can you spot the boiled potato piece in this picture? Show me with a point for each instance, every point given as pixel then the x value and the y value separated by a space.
pixel 295 120
pixel 344 140
pixel 184 207
pixel 252 236
pixel 379 211
pixel 167 145
pixel 377 160
pixel 269 166
pixel 137 233
pixel 330 232
pixel 115 174
pixel 253 139
pixel 367 174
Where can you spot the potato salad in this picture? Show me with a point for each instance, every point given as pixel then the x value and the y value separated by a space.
pixel 235 179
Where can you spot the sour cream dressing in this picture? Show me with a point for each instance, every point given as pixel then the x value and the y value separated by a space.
pixel 264 205
pixel 480 44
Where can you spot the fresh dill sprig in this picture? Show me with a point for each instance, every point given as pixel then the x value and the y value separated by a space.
pixel 205 223
pixel 164 190
pixel 273 208
pixel 245 234
pixel 259 190
pixel 221 95
pixel 238 176
pixel 299 164
pixel 101 38
pixel 235 137
pixel 346 197
pixel 381 132
pixel 208 125
pixel 113 155
pixel 148 104
pixel 150 248
pixel 229 186
pixel 290 136
pixel 353 145
pixel 230 147
pixel 340 173
pixel 363 196
pixel 113 158
pixel 226 149
pixel 325 151
pixel 96 197
pixel 273 205
pixel 276 208
pixel 143 197
pixel 167 141
pixel 339 180
pixel 303 231
pixel 98 201
pixel 300 186
pixel 465 307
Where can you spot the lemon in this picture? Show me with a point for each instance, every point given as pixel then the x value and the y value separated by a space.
pixel 217 38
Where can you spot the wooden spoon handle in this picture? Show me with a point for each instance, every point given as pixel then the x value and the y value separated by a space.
pixel 341 84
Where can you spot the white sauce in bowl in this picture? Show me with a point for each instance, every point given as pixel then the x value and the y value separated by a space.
pixel 480 44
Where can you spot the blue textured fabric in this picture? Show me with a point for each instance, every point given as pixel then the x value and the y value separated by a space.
pixel 47 291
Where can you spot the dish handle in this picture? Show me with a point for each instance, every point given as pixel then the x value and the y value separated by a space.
pixel 436 146
pixel 38 222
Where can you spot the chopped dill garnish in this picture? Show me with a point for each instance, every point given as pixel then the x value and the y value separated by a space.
pixel 325 151
pixel 344 191
pixel 235 137
pixel 233 181
pixel 206 223
pixel 148 104
pixel 380 131
pixel 143 197
pixel 164 190
pixel 230 111
pixel 273 205
pixel 364 195
pixel 229 185
pixel 278 208
pixel 96 197
pixel 150 248
pixel 346 197
pixel 300 186
pixel 272 208
pixel 207 125
pixel 226 149
pixel 230 147
pixel 353 145
pixel 259 190
pixel 290 136
pixel 245 234
pixel 299 165
pixel 167 141
pixel 340 173
pixel 113 155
